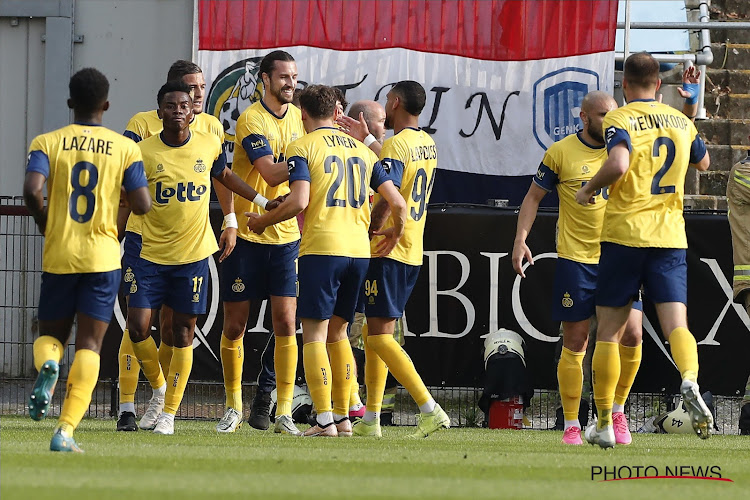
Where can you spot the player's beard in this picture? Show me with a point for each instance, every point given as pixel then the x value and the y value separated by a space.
pixel 595 134
pixel 277 93
pixel 388 122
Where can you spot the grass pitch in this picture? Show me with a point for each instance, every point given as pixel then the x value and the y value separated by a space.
pixel 197 463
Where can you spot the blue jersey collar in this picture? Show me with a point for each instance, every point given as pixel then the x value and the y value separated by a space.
pixel 161 136
pixel 271 112
pixel 591 146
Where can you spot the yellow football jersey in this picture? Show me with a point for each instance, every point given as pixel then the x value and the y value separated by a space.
pixel 411 158
pixel 259 133
pixel 567 165
pixel 645 205
pixel 85 166
pixel 340 170
pixel 177 230
pixel 147 123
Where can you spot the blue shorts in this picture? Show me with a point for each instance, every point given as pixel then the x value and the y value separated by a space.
pixel 622 271
pixel 575 290
pixel 132 254
pixel 254 271
pixel 182 287
pixel 64 295
pixel 388 285
pixel 329 285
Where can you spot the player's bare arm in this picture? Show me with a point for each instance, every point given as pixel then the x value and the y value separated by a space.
pixel 139 200
pixel 295 202
pixel 273 173
pixel 396 202
pixel 526 218
pixel 615 167
pixel 690 91
pixel 703 164
pixel 380 213
pixel 228 238
pixel 33 196
pixel 233 182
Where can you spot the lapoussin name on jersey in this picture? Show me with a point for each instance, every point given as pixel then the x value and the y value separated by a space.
pixel 182 192
pixel 84 143
pixel 423 153
pixel 658 121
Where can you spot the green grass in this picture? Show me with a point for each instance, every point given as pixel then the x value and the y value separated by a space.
pixel 458 463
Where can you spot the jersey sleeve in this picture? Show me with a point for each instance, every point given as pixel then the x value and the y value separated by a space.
pixel 379 176
pixel 697 147
pixel 251 137
pixel 220 158
pixel 548 172
pixel 38 160
pixel 134 129
pixel 615 132
pixel 391 159
pixel 134 176
pixel 297 163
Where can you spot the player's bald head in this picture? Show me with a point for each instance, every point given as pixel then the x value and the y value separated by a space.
pixel 596 99
pixel 367 108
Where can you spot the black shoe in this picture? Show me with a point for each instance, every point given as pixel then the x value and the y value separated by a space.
pixel 126 422
pixel 260 411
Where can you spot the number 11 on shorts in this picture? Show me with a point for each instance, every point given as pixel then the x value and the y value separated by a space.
pixel 197 283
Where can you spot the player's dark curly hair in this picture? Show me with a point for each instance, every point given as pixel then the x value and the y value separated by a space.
pixel 181 68
pixel 269 61
pixel 412 96
pixel 172 86
pixel 318 101
pixel 89 89
pixel 340 98
pixel 641 70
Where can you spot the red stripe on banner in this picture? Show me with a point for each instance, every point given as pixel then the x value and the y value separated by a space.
pixel 499 30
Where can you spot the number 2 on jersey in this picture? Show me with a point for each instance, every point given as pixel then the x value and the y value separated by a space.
pixel 669 144
pixel 86 191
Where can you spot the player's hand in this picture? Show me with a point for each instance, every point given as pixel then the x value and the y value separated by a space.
pixel 253 222
pixel 276 202
pixel 389 241
pixel 355 128
pixel 584 197
pixel 227 242
pixel 690 83
pixel 521 250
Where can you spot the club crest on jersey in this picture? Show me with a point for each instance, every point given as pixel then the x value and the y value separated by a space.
pixel 129 276
pixel 133 287
pixel 196 297
pixel 160 168
pixel 567 301
pixel 557 98
pixel 199 166
pixel 585 169
pixel 238 286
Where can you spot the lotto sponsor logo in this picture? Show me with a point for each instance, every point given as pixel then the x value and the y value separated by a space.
pixel 182 192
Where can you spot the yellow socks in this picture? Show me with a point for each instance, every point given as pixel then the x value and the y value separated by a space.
pixel 232 358
pixel 376 373
pixel 165 357
pixel 128 369
pixel 685 352
pixel 179 373
pixel 354 399
pixel 148 355
pixel 605 369
pixel 630 361
pixel 285 365
pixel 400 365
pixel 317 375
pixel 47 347
pixel 342 369
pixel 81 383
pixel 570 380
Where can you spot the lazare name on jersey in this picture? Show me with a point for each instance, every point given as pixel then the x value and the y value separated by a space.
pixel 183 192
pixel 658 120
pixel 85 143
pixel 423 153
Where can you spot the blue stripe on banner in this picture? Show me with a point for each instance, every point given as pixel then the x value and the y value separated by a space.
pixel 463 187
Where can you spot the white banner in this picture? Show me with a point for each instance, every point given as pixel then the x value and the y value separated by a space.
pixel 487 117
